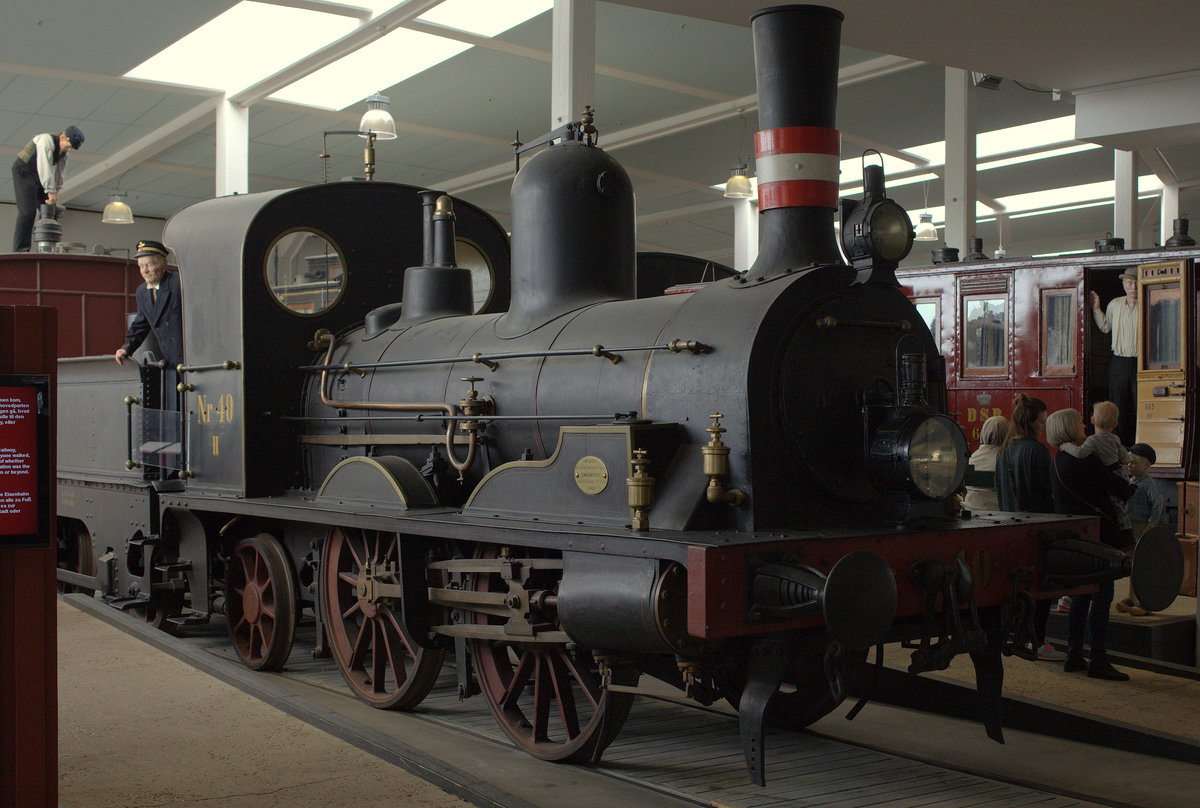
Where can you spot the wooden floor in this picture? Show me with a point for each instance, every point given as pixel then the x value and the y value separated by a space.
pixel 693 756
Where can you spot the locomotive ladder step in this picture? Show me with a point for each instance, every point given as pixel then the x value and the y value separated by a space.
pixel 125 604
pixel 173 566
pixel 190 619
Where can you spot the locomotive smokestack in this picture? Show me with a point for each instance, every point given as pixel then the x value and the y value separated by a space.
pixel 797 150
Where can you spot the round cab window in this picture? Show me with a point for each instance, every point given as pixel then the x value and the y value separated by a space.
pixel 468 256
pixel 305 272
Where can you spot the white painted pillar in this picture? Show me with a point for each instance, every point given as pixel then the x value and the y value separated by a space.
pixel 1125 217
pixel 573 60
pixel 233 148
pixel 959 177
pixel 1168 211
pixel 745 233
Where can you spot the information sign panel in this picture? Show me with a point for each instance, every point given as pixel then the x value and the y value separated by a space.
pixel 25 460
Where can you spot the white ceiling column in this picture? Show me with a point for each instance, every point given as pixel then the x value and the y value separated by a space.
pixel 233 148
pixel 959 178
pixel 745 233
pixel 573 60
pixel 1125 215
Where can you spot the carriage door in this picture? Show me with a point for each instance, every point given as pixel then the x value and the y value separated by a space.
pixel 1162 384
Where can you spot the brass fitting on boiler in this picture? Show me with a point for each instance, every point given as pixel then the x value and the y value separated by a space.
pixel 716 467
pixel 640 490
pixel 472 406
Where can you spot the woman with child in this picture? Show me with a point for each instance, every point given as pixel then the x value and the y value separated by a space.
pixel 1083 484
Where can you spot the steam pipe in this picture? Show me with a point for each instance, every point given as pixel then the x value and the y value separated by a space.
pixel 397 406
pixel 443 233
pixel 428 205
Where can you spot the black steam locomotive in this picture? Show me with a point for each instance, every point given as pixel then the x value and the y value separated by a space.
pixel 575 479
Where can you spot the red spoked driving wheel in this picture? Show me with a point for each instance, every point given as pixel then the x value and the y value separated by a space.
pixel 547 696
pixel 378 656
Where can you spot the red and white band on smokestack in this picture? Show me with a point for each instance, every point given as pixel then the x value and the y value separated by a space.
pixel 797 166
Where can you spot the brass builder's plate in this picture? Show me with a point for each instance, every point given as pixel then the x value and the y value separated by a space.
pixel 591 475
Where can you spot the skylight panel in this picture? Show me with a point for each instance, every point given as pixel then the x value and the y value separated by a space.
pixel 1025 136
pixel 1098 192
pixel 247 43
pixel 388 60
pixel 1042 155
pixel 485 17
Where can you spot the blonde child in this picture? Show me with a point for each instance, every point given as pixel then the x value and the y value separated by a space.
pixel 1104 443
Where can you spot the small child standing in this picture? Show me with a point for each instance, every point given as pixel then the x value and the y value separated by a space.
pixel 1145 509
pixel 1146 506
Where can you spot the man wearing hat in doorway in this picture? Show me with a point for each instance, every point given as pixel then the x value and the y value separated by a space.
pixel 38 177
pixel 1120 318
pixel 159 307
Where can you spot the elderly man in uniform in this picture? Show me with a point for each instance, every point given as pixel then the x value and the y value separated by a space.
pixel 1120 318
pixel 38 177
pixel 159 306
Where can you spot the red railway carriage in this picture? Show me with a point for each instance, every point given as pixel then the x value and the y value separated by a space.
pixel 91 293
pixel 1025 326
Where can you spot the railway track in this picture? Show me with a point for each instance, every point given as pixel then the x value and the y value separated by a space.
pixel 670 754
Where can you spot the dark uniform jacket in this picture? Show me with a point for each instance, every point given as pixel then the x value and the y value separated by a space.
pixel 1023 472
pixel 163 316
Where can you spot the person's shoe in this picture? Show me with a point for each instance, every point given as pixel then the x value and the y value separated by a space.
pixel 1048 653
pixel 1101 668
pixel 1075 662
pixel 1130 607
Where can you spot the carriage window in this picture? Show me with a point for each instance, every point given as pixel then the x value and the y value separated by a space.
pixel 1161 336
pixel 985 336
pixel 928 309
pixel 305 272
pixel 468 256
pixel 1058 332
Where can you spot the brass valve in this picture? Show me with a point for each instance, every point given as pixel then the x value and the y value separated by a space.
pixel 321 340
pixel 715 456
pixel 473 405
pixel 185 388
pixel 640 490
pixel 131 400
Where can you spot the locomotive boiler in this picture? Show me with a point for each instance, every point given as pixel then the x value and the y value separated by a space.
pixel 739 489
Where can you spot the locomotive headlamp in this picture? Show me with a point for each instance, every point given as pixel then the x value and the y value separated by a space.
pixel 936 457
pixel 918 453
pixel 876 232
